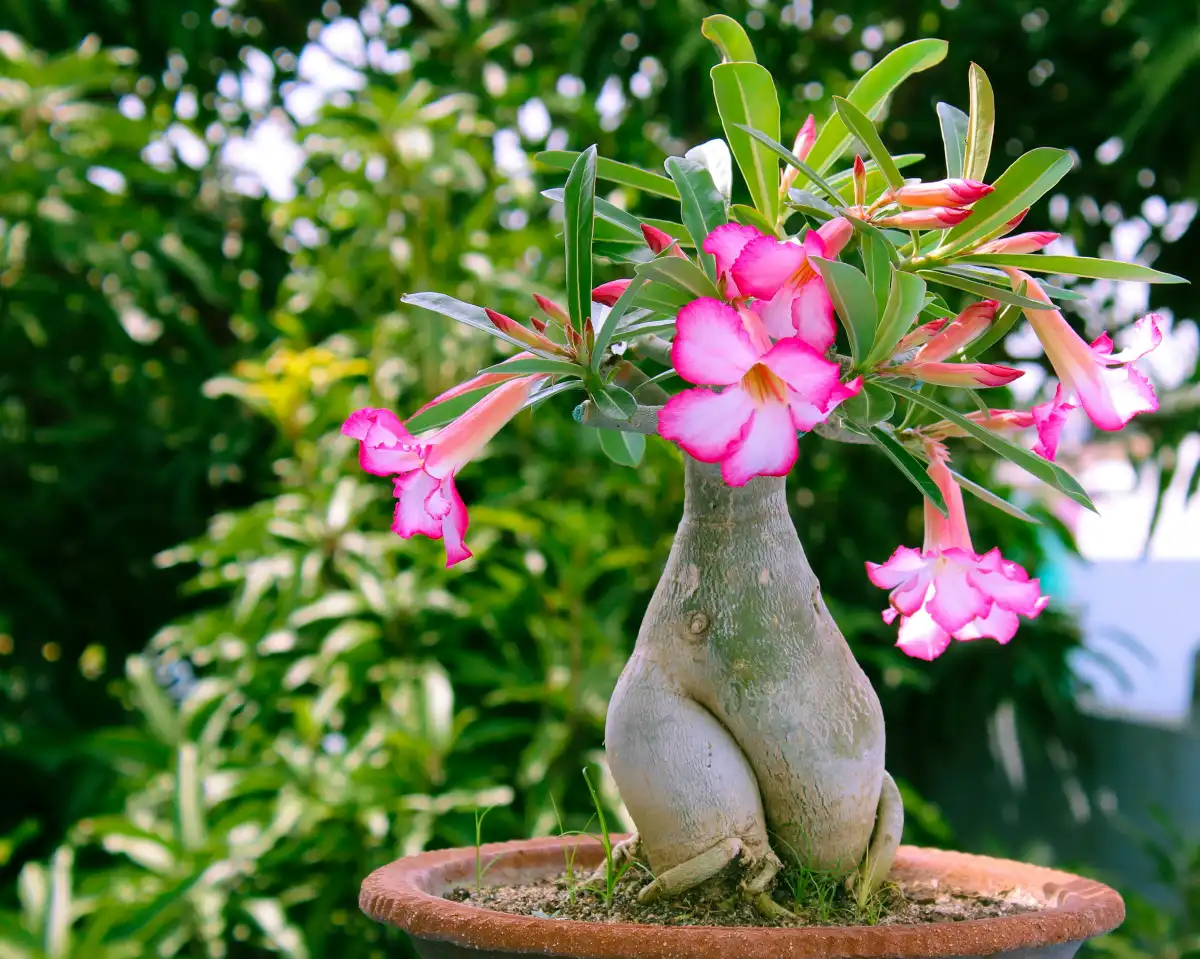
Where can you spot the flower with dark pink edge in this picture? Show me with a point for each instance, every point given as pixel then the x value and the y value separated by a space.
pixel 938 340
pixel 954 192
pixel 427 502
pixel 767 392
pixel 948 591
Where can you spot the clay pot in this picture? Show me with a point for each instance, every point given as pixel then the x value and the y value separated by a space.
pixel 408 894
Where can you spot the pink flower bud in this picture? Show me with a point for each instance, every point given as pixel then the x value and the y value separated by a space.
pixel 608 293
pixel 934 218
pixel 658 241
pixel 552 309
pixel 801 148
pixel 1020 243
pixel 965 328
pixel 510 327
pixel 955 192
pixel 860 182
pixel 835 234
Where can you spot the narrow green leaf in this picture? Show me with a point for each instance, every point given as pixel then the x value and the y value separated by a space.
pixel 536 365
pixel 996 277
pixel 979 288
pixel 954 137
pixel 467 313
pixel 679 273
pixel 1086 266
pixel 980 125
pixel 872 405
pixel 701 203
pixel 864 130
pixel 661 298
pixel 615 402
pixel 614 172
pixel 728 36
pixel 870 94
pixel 843 181
pixel 748 216
pixel 810 205
pixel 605 211
pixel 447 410
pixel 992 499
pixel 654 324
pixel 612 320
pixel 623 447
pixel 878 267
pixel 579 200
pixel 1050 473
pixel 788 157
pixel 620 251
pixel 881 236
pixel 905 300
pixel 854 302
pixel 745 95
pixel 912 468
pixel 1020 186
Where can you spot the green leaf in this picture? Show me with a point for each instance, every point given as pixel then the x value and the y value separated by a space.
pixel 661 298
pixel 655 324
pixel 447 410
pixel 912 468
pixel 993 499
pixel 843 181
pixel 861 126
pixel 745 94
pixel 614 402
pixel 872 405
pixel 728 36
pixel 1087 266
pixel 536 365
pixel 609 212
pixel 870 94
pixel 1050 473
pixel 880 236
pixel 579 199
pixel 680 274
pixel 877 264
pixel 905 300
pixel 1020 186
pixel 467 313
pixel 702 204
pixel 623 447
pixel 854 302
pixel 614 172
pixel 954 137
pixel 980 125
pixel 788 157
pixel 970 285
pixel 810 205
pixel 748 216
pixel 612 320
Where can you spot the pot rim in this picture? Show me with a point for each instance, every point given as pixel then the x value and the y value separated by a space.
pixel 399 894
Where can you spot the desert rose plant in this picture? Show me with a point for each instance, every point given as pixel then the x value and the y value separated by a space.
pixel 845 300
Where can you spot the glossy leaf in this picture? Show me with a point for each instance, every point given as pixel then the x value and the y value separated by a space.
pixel 1019 187
pixel 614 172
pixel 1087 266
pixel 954 138
pixel 679 273
pixel 623 447
pixel 467 313
pixel 864 130
pixel 729 37
pixel 701 203
pixel 854 302
pixel 971 285
pixel 579 200
pixel 788 157
pixel 871 405
pixel 981 123
pixel 878 266
pixel 905 300
pixel 993 499
pixel 536 364
pixel 614 402
pixel 746 97
pixel 748 216
pixel 1049 473
pixel 871 93
pixel 662 298
pixel 912 468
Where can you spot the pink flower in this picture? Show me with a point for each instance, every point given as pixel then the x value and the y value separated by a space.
pixel 427 501
pixel 789 294
pixel 947 590
pixel 969 375
pixel 933 218
pixel 1019 243
pixel 938 340
pixel 960 332
pixel 998 421
pixel 608 293
pixel 769 392
pixel 1107 385
pixel 835 234
pixel 726 243
pixel 1049 418
pixel 952 193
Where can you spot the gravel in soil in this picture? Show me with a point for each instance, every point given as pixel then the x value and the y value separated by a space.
pixel 903 903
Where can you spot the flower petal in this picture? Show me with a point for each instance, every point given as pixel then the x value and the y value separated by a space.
pixel 803 369
pixel 454 526
pixel 1000 624
pixel 1015 595
pixel 765 265
pixel 900 567
pixel 412 491
pixel 1147 336
pixel 460 441
pixel 971 375
pixel 1112 397
pixel 385 446
pixel 768 448
pixel 921 637
pixel 1050 418
pixel 955 600
pixel 812 315
pixel 712 347
pixel 706 424
pixel 727 241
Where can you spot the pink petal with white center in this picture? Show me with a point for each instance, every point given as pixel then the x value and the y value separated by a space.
pixel 776 312
pixel 806 415
pixel 812 315
pixel 454 526
pixel 385 445
pixel 922 638
pixel 956 601
pixel 1147 336
pixel 912 595
pixel 712 347
pixel 726 243
pixel 1112 397
pixel 769 447
pixel 460 441
pixel 765 265
pixel 1000 624
pixel 889 615
pixel 899 568
pixel 803 369
pixel 1049 418
pixel 706 424
pixel 412 517
pixel 1015 595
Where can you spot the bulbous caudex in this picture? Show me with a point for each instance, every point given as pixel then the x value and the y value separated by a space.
pixel 742 728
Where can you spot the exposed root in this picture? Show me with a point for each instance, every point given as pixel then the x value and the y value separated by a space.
pixel 881 851
pixel 692 873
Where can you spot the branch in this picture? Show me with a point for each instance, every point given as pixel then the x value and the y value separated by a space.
pixel 839 434
pixel 644 419
pixel 651 347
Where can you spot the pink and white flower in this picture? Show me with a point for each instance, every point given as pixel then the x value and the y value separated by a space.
pixel 948 591
pixel 769 392
pixel 1106 384
pixel 951 193
pixel 423 470
pixel 1050 418
pixel 939 340
pixel 931 218
pixel 1019 243
pixel 789 293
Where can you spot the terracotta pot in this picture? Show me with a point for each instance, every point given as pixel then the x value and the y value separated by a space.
pixel 408 894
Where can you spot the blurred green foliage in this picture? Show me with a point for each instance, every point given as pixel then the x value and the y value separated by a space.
pixel 211 771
